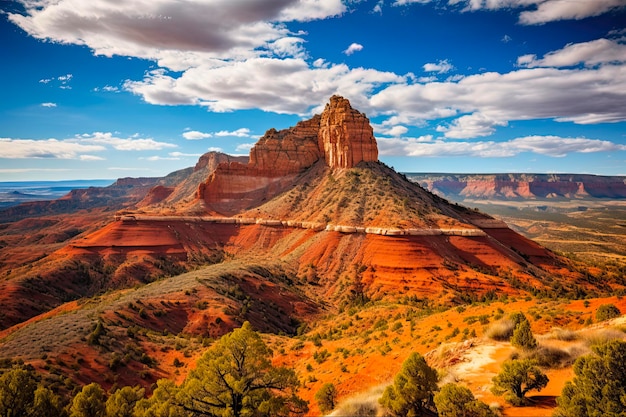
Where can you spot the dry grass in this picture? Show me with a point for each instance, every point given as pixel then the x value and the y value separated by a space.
pixel 501 330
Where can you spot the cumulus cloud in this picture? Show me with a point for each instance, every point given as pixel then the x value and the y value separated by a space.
pixel 48 104
pixel 177 34
pixel 290 85
pixel 441 67
pixel 554 146
pixel 45 149
pixel 580 95
pixel 354 47
pixel 592 53
pixel 196 135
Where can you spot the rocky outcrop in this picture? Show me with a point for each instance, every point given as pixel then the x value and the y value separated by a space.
pixel 210 161
pixel 345 135
pixel 341 137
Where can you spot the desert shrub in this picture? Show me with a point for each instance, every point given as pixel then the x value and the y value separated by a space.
pixel 551 357
pixel 501 330
pixel 563 334
pixel 603 336
pixel 606 312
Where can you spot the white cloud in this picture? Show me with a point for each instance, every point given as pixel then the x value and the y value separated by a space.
pixel 290 85
pixel 354 47
pixel 379 7
pixel 390 130
pixel 177 34
pixel 214 149
pixel 161 158
pixel 580 95
pixel 239 133
pixel 305 10
pixel 91 158
pixel 244 147
pixel 552 10
pixel 470 126
pixel 45 149
pixel 441 67
pixel 107 89
pixel 506 39
pixel 196 135
pixel 133 143
pixel 545 145
pixel 536 11
pixel 592 53
pixel 48 104
pixel 184 155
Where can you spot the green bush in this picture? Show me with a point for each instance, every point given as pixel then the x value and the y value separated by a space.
pixel 599 384
pixel 457 401
pixel 607 312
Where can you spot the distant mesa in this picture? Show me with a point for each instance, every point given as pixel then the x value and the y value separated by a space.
pixel 341 137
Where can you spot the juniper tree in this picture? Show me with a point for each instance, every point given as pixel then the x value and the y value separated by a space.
pixel 412 391
pixel 599 385
pixel 517 378
pixel 235 377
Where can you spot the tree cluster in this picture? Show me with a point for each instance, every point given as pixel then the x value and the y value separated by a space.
pixel 234 378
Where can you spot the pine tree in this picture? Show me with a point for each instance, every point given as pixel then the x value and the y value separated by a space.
pixel 236 378
pixel 413 389
pixel 17 392
pixel 523 336
pixel 89 402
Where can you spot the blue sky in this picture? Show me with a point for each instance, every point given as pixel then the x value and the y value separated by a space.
pixel 101 89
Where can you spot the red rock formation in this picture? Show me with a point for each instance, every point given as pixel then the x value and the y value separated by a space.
pixel 341 136
pixel 345 135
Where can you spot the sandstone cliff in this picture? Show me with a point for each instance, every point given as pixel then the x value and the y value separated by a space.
pixel 341 137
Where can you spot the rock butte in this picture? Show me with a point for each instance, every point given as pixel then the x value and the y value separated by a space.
pixel 341 136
